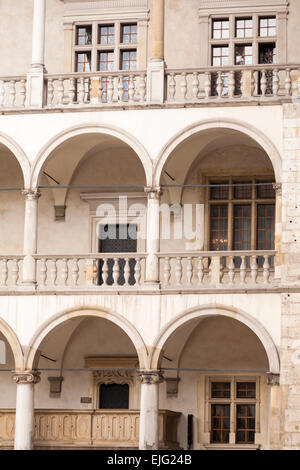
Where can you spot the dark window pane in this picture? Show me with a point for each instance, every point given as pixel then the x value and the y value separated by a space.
pixel 242 227
pixel 218 227
pixel 265 226
pixel 219 191
pixel 265 191
pixel 220 390
pixel 243 190
pixel 220 423
pixel 246 390
pixel 245 424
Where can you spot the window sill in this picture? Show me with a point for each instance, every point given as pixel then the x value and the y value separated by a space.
pixel 232 446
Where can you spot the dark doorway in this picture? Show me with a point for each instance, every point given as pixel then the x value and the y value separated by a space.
pixel 114 396
pixel 120 238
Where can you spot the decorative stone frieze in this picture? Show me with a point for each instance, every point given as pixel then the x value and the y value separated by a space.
pixel 153 192
pixel 151 377
pixel 31 194
pixel 273 379
pixel 113 377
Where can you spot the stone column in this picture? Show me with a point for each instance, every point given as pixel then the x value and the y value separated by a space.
pixel 35 76
pixel 156 67
pixel 279 257
pixel 30 236
pixel 153 234
pixel 149 409
pixel 274 411
pixel 24 426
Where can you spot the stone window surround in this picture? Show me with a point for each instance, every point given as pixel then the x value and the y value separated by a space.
pixel 232 9
pixel 100 13
pixel 233 401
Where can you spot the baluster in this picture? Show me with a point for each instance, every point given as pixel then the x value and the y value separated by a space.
pixel 167 271
pixel 126 271
pixel 254 269
pixel 178 271
pixel 200 270
pixel 243 269
pixel 275 82
pixel 116 271
pixel 172 87
pixel 2 93
pixel 60 91
pixel 183 86
pixel 120 88
pixel 189 270
pixel 263 83
pixel 231 84
pixel 4 272
pixel 207 85
pixel 142 88
pixel 81 91
pixel 53 272
pixel 75 271
pixel 195 85
pixel 298 83
pixel 64 271
pixel 266 268
pixel 87 85
pixel 72 91
pixel 43 272
pixel 253 83
pixel 12 93
pixel 110 89
pixel 22 93
pixel 131 89
pixel 105 272
pixel 219 85
pixel 288 83
pixel 231 272
pixel 137 271
pixel 50 92
pixel 100 91
pixel 15 272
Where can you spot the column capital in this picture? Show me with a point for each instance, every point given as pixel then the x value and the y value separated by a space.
pixel 31 194
pixel 277 188
pixel 26 377
pixel 153 192
pixel 273 379
pixel 150 377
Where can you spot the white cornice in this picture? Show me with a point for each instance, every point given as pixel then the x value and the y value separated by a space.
pixel 80 10
pixel 208 7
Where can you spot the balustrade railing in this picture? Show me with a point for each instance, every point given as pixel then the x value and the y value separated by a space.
pixel 109 271
pixel 119 88
pixel 201 85
pixel 89 428
pixel 230 269
pixel 127 271
pixel 234 83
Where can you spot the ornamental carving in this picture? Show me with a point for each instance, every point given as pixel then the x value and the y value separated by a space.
pixel 150 377
pixel 153 192
pixel 31 377
pixel 277 188
pixel 31 194
pixel 273 379
pixel 113 377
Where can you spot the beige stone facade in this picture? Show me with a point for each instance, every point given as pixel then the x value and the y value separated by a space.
pixel 196 325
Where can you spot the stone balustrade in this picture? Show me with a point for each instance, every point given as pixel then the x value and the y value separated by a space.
pixel 231 269
pixel 126 271
pixel 189 86
pixel 63 429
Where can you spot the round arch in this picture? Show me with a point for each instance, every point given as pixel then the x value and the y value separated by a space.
pixel 19 155
pixel 216 310
pixel 112 131
pixel 86 311
pixel 231 124
pixel 14 343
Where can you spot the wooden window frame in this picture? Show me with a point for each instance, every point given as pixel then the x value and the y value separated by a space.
pixel 233 401
pixel 220 20
pixel 231 201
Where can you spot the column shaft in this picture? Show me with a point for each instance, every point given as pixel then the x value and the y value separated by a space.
pixel 30 236
pixel 158 13
pixel 149 410
pixel 153 234
pixel 38 34
pixel 24 426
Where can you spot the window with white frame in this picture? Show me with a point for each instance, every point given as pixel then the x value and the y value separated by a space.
pixel 233 409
